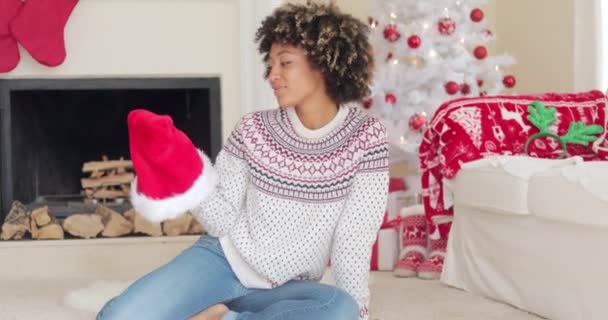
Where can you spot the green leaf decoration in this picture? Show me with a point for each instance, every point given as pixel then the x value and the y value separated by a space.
pixel 580 133
pixel 541 116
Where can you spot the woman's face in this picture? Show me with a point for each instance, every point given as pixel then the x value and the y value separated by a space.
pixel 293 79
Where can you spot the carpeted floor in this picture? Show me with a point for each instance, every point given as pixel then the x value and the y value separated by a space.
pixel 392 299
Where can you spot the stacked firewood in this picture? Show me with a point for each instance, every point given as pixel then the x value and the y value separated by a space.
pixel 41 224
pixel 108 180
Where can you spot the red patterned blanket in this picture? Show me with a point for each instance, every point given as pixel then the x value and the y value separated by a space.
pixel 468 129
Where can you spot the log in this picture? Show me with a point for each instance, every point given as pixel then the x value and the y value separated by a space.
pixel 114 180
pixel 106 194
pixel 126 188
pixel 96 174
pixel 83 225
pixel 33 229
pixel 17 222
pixel 41 216
pixel 52 231
pixel 196 227
pixel 177 226
pixel 115 224
pixel 141 225
pixel 106 165
pixel 44 226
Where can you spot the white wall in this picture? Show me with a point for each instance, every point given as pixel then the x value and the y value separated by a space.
pixel 152 38
pixel 541 40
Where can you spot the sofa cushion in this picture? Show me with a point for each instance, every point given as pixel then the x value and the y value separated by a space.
pixel 577 193
pixel 500 183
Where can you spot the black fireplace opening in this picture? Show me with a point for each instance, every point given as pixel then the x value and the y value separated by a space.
pixel 50 128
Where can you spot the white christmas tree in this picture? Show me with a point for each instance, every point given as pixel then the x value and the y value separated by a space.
pixel 429 52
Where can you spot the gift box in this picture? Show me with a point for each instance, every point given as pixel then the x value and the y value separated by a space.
pixel 396 197
pixel 385 251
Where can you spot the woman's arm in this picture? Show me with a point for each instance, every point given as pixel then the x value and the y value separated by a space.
pixel 359 224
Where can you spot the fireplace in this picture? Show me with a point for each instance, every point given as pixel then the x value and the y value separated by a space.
pixel 50 127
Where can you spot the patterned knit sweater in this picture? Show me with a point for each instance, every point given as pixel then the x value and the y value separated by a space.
pixel 290 199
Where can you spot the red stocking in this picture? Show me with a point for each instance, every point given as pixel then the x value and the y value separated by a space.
pixel 9 52
pixel 39 29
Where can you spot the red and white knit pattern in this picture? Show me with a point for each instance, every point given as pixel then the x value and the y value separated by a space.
pixel 431 268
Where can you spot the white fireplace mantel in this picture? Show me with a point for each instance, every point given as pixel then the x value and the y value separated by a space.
pixel 157 38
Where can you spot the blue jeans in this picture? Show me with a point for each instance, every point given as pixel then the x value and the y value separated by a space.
pixel 200 277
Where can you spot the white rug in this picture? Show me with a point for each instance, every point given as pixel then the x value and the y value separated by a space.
pixel 93 297
pixel 392 299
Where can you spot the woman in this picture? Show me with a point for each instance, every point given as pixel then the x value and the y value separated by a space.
pixel 292 188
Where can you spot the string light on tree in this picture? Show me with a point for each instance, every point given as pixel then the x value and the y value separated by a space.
pixel 429 52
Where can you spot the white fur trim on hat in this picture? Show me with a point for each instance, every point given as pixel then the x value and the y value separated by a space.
pixel 157 210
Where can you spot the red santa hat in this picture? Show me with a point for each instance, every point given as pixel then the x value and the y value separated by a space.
pixel 172 175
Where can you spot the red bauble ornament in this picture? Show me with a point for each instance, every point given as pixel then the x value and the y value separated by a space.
pixel 391 33
pixel 414 41
pixel 390 98
pixel 479 82
pixel 509 81
pixel 367 103
pixel 446 26
pixel 417 122
pixel 476 15
pixel 452 87
pixel 480 52
pixel 465 89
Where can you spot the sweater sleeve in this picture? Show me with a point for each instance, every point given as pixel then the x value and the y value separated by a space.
pixel 359 223
pixel 219 212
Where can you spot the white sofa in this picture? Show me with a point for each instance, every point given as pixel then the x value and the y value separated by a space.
pixel 532 233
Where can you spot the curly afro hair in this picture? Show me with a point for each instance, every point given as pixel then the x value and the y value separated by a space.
pixel 336 44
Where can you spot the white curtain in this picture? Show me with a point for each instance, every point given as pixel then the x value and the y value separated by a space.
pixel 603 65
pixel 255 91
pixel 588 43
